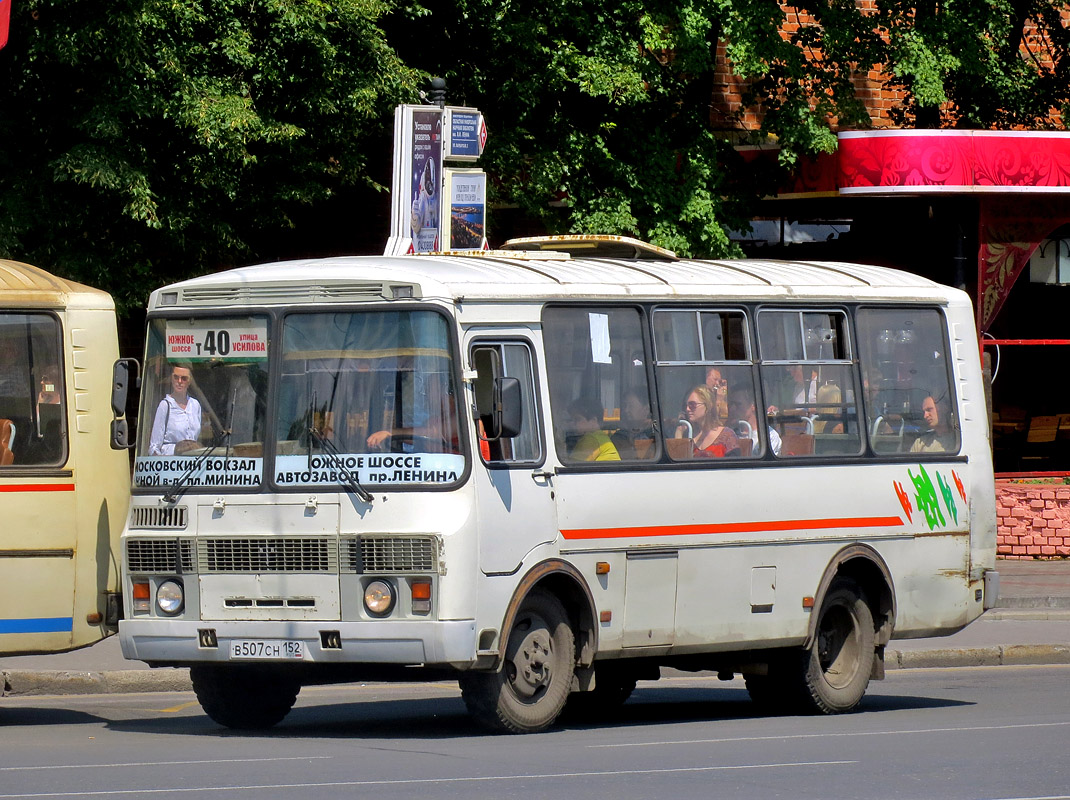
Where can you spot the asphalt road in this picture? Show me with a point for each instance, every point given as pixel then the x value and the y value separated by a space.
pixel 954 734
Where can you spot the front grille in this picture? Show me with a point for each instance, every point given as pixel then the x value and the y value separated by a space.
pixel 158 518
pixel 262 554
pixel 376 554
pixel 160 556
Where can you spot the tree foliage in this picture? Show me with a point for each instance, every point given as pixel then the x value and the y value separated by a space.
pixel 601 108
pixel 147 140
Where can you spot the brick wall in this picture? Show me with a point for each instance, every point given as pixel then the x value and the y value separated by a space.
pixel 1034 520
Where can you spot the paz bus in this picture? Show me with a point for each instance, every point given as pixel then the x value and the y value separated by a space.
pixel 493 466
pixel 64 488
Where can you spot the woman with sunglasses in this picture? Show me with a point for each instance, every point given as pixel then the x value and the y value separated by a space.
pixel 710 438
pixel 177 425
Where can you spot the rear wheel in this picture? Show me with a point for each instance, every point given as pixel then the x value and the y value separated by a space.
pixel 528 693
pixel 834 673
pixel 244 698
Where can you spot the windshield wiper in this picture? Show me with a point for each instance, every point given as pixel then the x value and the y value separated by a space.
pixel 330 451
pixel 178 488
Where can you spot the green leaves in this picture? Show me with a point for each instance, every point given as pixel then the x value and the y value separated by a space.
pixel 149 140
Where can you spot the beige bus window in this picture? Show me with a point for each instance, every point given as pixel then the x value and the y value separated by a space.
pixel 32 406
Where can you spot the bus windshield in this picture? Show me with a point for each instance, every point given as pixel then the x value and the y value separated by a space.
pixel 369 392
pixel 204 400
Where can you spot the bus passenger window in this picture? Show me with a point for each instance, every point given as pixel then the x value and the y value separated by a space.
pixel 706 384
pixel 808 379
pixel 909 406
pixel 599 391
pixel 32 411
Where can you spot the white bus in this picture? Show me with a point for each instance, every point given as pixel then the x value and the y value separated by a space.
pixel 549 471
pixel 64 490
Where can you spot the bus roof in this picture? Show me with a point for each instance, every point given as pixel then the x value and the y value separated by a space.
pixel 25 286
pixel 486 276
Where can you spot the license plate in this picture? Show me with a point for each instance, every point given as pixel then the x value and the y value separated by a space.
pixel 267 649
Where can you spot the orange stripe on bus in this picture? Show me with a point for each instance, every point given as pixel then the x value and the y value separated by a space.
pixel 731 527
pixel 38 487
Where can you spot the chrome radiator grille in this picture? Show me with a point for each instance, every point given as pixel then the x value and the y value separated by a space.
pixel 160 556
pixel 156 518
pixel 263 554
pixel 368 554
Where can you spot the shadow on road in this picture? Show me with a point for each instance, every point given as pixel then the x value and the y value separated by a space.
pixel 331 714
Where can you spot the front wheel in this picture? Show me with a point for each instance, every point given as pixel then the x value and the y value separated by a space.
pixel 244 698
pixel 529 691
pixel 835 670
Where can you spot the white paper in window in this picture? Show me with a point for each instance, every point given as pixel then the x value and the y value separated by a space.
pixel 600 338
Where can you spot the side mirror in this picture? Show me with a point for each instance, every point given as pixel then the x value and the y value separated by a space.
pixel 120 388
pixel 507 407
pixel 498 399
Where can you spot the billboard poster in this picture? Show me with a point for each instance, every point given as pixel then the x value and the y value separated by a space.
pixel 466 195
pixel 426 178
pixel 465 134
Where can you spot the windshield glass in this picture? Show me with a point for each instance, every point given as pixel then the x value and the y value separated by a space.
pixel 379 387
pixel 203 403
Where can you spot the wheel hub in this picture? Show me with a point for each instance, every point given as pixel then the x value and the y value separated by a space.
pixel 531 662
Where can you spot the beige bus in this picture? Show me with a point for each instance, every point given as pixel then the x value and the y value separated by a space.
pixel 64 477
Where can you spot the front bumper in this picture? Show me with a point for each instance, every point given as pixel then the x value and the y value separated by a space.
pixel 167 642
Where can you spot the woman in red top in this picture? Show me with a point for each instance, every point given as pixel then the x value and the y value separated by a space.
pixel 709 437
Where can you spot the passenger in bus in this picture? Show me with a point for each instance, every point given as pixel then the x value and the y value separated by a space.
pixel 829 404
pixel 177 425
pixel 718 385
pixel 594 444
pixel 939 438
pixel 741 408
pixel 635 436
pixel 797 393
pixel 710 438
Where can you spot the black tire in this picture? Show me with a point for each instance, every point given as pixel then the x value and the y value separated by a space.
pixel 529 691
pixel 834 673
pixel 244 698
pixel 612 688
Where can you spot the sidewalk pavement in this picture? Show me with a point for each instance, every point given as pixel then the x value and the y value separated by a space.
pixel 1030 625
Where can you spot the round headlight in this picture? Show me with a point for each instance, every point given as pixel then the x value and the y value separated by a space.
pixel 379 598
pixel 169 598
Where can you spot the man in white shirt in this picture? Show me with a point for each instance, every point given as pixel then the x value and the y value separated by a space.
pixel 741 409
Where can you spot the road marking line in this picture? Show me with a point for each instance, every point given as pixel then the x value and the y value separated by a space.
pixel 181 707
pixel 831 735
pixel 157 764
pixel 414 781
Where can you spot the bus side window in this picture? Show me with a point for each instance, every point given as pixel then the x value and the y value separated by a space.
pixel 31 390
pixel 809 383
pixel 902 352
pixel 493 360
pixel 599 391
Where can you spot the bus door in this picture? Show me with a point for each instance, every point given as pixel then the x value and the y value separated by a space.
pixel 514 489
pixel 38 544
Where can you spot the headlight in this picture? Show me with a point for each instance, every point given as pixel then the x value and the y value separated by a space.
pixel 379 598
pixel 169 598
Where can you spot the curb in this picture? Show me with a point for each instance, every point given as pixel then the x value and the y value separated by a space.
pixel 1005 655
pixel 15 682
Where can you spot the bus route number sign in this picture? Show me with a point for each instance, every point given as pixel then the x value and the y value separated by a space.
pixel 214 340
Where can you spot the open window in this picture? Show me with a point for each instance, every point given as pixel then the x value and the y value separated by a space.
pixel 507 420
